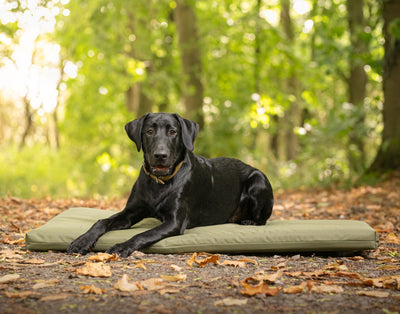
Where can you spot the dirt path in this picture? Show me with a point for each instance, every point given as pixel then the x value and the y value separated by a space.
pixel 52 282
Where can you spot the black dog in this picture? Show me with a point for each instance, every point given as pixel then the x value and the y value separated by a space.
pixel 181 189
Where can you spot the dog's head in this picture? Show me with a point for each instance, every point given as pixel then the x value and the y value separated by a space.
pixel 164 138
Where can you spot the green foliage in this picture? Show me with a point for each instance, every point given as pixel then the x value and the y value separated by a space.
pixel 117 44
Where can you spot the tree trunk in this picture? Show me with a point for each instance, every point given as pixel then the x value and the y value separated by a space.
pixel 136 100
pixel 388 157
pixel 292 117
pixel 28 122
pixel 357 82
pixel 189 45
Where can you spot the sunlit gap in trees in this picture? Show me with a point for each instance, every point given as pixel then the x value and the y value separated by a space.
pixel 32 70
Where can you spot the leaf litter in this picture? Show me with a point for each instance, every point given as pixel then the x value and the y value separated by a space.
pixel 202 282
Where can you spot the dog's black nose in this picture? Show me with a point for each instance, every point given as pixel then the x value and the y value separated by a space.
pixel 160 155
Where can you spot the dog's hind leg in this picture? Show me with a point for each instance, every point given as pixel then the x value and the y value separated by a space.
pixel 256 200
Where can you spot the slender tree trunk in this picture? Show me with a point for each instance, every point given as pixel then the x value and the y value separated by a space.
pixel 28 122
pixel 292 117
pixel 189 45
pixel 388 157
pixel 357 82
pixel 136 100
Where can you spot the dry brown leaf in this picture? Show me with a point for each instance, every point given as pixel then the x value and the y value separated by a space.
pixel 11 254
pixel 295 289
pixel 261 288
pixel 191 260
pixel 103 257
pixel 348 274
pixel 316 273
pixel 230 301
pixel 91 289
pixel 336 267
pixel 388 267
pixel 391 238
pixel 45 284
pixel 271 278
pixel 169 290
pixel 9 278
pixel 140 265
pixel 279 266
pixel 388 282
pixel 8 240
pixel 55 297
pixel 124 285
pixel 294 273
pixel 95 270
pixel 35 261
pixel 327 289
pixel 153 284
pixel 376 294
pixel 22 295
pixel 175 267
pixel 356 258
pixel 249 260
pixel 213 259
pixel 202 262
pixel 174 278
pixel 234 263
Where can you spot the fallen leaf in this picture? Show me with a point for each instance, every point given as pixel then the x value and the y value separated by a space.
pixel 103 257
pixel 356 258
pixel 95 270
pixel 169 291
pixel 271 278
pixel 294 273
pixel 348 274
pixel 336 266
pixel 174 278
pixel 45 284
pixel 124 285
pixel 9 278
pixel 279 266
pixel 388 267
pixel 140 265
pixel 234 263
pixel 11 254
pixel 252 286
pixel 153 284
pixel 91 289
pixel 191 260
pixel 263 288
pixel 34 261
pixel 391 238
pixel 175 267
pixel 214 259
pixel 7 240
pixel 376 294
pixel 55 297
pixel 295 289
pixel 249 260
pixel 230 301
pixel 203 262
pixel 327 289
pixel 22 295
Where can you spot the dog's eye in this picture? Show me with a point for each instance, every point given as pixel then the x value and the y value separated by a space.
pixel 172 132
pixel 149 132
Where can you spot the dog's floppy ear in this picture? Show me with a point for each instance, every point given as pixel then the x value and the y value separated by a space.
pixel 134 131
pixel 189 131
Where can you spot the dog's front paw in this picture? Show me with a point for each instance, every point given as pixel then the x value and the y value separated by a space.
pixel 122 249
pixel 81 246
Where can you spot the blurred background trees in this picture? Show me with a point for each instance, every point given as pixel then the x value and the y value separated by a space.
pixel 294 87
